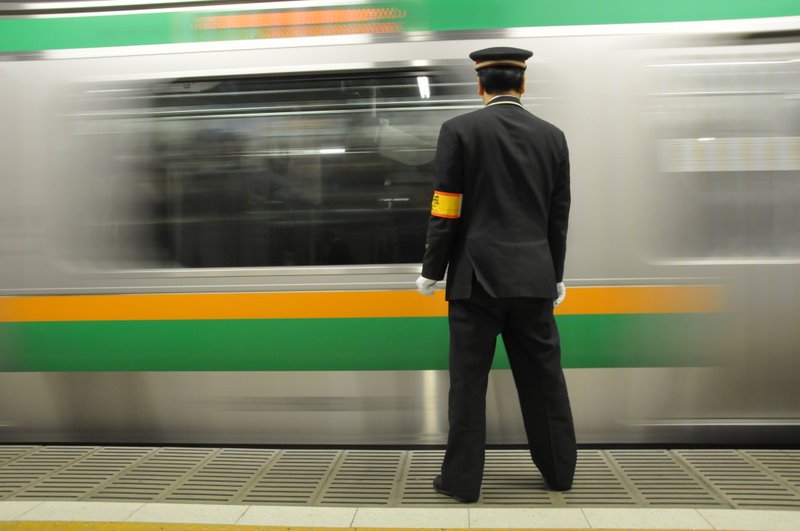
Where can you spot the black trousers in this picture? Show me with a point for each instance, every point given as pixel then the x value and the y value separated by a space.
pixel 531 339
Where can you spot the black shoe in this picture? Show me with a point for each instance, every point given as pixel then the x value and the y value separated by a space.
pixel 558 487
pixel 437 486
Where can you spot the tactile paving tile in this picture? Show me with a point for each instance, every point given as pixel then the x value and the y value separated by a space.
pixel 11 478
pixel 597 483
pixel 223 478
pixel 740 480
pixel 10 453
pixel 294 477
pixel 783 464
pixel 510 479
pixel 154 476
pixel 660 479
pixel 363 478
pixel 20 477
pixel 421 468
pixel 80 479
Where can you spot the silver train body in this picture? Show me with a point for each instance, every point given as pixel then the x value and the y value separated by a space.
pixel 649 208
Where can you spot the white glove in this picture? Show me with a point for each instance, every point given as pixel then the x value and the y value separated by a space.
pixel 426 286
pixel 562 294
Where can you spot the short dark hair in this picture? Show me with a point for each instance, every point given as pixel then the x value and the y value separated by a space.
pixel 501 79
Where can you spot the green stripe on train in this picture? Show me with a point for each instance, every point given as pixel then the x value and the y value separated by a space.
pixel 589 341
pixel 52 33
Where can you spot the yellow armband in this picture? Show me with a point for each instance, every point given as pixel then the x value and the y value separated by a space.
pixel 446 205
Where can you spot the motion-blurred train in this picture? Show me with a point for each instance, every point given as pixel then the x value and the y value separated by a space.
pixel 211 218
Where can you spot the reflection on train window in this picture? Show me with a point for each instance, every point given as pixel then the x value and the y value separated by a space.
pixel 270 171
pixel 728 153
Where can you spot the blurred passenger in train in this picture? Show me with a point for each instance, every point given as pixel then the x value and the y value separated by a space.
pixel 212 201
pixel 499 220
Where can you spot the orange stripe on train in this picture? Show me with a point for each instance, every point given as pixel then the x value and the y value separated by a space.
pixel 325 305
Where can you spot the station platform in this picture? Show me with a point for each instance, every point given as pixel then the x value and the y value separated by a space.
pixel 137 487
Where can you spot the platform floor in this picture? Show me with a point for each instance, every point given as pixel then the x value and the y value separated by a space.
pixel 629 489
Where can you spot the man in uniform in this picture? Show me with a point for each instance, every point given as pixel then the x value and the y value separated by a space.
pixel 499 220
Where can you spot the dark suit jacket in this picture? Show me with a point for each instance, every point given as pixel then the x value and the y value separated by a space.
pixel 513 171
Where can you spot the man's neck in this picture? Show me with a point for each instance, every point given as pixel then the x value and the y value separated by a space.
pixel 489 97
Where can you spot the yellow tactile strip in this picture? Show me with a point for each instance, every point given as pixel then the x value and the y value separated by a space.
pixel 122 526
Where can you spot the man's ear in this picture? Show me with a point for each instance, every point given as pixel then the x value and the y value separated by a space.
pixel 522 87
pixel 481 90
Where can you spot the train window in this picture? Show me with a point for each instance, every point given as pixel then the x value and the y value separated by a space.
pixel 728 155
pixel 267 170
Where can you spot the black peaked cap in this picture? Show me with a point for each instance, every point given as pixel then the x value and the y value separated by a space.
pixel 500 56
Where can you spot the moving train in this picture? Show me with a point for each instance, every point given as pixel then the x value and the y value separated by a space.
pixel 212 217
